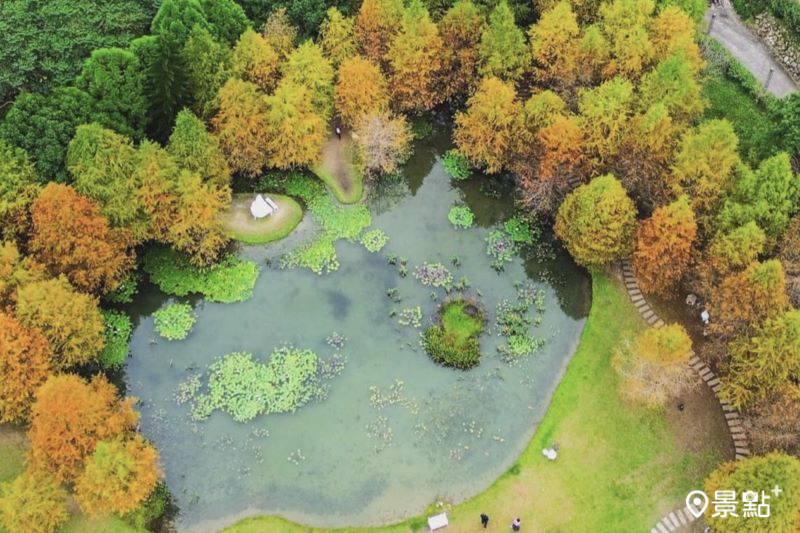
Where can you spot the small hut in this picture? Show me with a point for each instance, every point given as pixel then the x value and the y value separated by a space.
pixel 261 208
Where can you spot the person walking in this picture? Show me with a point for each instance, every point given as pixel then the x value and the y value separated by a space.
pixel 516 525
pixel 484 520
pixel 338 131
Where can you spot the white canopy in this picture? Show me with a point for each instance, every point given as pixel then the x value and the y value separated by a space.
pixel 260 208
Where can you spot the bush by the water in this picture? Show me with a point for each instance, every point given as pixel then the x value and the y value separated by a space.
pixel 116 334
pixel 456 165
pixel 175 321
pixel 454 340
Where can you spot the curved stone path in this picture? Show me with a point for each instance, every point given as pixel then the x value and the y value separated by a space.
pixel 682 515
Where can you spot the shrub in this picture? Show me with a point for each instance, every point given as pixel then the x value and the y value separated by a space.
pixel 117 333
pixel 175 321
pixel 521 231
pixel 461 216
pixel 456 165
pixel 453 341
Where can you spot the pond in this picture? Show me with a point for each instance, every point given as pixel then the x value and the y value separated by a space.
pixel 396 431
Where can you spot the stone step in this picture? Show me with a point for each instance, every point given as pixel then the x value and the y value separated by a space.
pixel 653 319
pixel 732 416
pixel 681 517
pixel 647 314
pixel 713 382
pixel 743 451
pixel 659 324
pixel 637 298
pixel 674 520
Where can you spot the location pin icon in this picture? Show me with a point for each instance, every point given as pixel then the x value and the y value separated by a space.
pixel 696 502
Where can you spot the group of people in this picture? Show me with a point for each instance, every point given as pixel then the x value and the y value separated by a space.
pixel 516 525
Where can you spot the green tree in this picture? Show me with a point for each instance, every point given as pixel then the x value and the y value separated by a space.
pixel 625 24
pixel 765 362
pixel 43 125
pixel 166 82
pixel 759 473
pixel 705 163
pixel 307 66
pixel 175 19
pixel 672 83
pixel 605 120
pixel 767 196
pixel 69 320
pixel 196 149
pixel 553 42
pixel 101 163
pixel 502 49
pixel 211 68
pixel 226 19
pixel 114 78
pixel 597 221
pixel 32 503
pixel 44 42
pixel 19 185
pixel 336 37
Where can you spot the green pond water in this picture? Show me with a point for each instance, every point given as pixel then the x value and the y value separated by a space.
pixel 346 460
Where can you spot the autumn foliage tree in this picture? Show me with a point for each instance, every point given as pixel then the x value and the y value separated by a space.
pixel 197 150
pixel 664 245
pixel 414 61
pixel 32 503
pixel 654 366
pixel 377 22
pixel 460 29
pixel 241 126
pixel 69 320
pixel 296 132
pixel 24 365
pixel 72 238
pixel 336 37
pixel 487 132
pixel 19 185
pixel 118 477
pixel 70 417
pixel 16 271
pixel 596 221
pixel 308 67
pixel 553 42
pixel 254 60
pixel 502 49
pixel 748 297
pixel 382 142
pixel 764 363
pixel 361 89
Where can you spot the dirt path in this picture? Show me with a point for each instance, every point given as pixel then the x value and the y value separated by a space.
pixel 729 30
pixel 337 170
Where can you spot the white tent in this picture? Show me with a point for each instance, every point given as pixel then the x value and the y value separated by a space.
pixel 260 208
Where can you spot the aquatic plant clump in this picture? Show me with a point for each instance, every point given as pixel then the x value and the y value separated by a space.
pixel 117 334
pixel 335 221
pixel 514 320
pixel 500 247
pixel 461 216
pixel 411 316
pixel 245 388
pixel 230 280
pixel 434 275
pixel 521 231
pixel 175 321
pixel 374 240
pixel 126 291
pixel 453 341
pixel 456 165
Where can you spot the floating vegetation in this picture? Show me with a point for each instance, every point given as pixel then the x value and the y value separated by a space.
pixel 393 294
pixel 500 247
pixel 245 388
pixel 335 341
pixel 514 320
pixel 117 328
pixel 126 291
pixel 411 316
pixel 330 368
pixel 453 340
pixel 188 388
pixel 379 430
pixel 296 457
pixel 460 216
pixel 395 396
pixel 337 222
pixel 449 418
pixel 175 321
pixel 374 240
pixel 434 275
pixel 456 165
pixel 229 280
pixel 260 433
pixel 521 231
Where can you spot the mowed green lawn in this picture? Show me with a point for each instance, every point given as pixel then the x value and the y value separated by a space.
pixel 619 468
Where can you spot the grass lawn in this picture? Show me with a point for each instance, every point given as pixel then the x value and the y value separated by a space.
pixel 458 322
pixel 109 524
pixel 338 171
pixel 240 224
pixel 620 466
pixel 13 446
pixel 758 134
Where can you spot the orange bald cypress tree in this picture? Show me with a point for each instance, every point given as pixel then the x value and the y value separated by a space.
pixel 70 236
pixel 24 366
pixel 70 417
pixel 377 22
pixel 241 126
pixel 664 245
pixel 361 90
